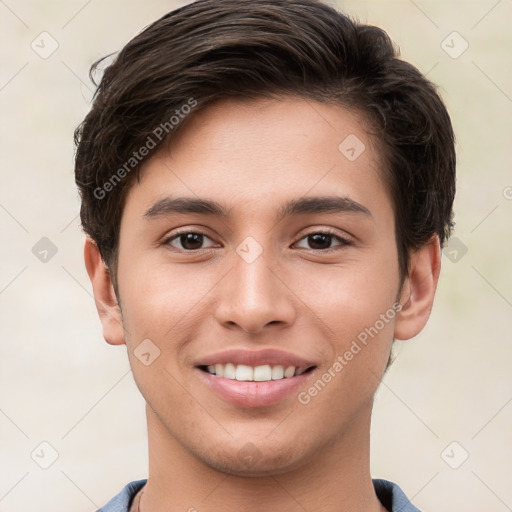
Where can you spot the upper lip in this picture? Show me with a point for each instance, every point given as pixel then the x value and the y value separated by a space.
pixel 260 357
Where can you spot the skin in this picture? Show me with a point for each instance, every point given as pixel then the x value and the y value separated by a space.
pixel 253 157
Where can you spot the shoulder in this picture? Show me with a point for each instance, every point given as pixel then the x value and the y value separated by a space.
pixel 389 493
pixel 122 501
pixel 392 497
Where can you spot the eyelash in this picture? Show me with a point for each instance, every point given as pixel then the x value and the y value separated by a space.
pixel 344 242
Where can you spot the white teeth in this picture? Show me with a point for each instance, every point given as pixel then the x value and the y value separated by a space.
pixel 229 371
pixel 290 370
pixel 277 372
pixel 243 372
pixel 263 373
pixel 219 370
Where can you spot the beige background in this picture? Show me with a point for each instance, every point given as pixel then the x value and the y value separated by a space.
pixel 62 384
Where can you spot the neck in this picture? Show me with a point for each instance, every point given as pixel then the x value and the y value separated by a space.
pixel 336 479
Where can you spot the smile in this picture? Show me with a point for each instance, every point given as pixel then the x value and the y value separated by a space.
pixel 254 378
pixel 261 373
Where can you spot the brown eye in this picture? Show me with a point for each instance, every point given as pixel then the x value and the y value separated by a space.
pixel 321 241
pixel 188 240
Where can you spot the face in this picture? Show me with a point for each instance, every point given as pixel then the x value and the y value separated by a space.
pixel 292 263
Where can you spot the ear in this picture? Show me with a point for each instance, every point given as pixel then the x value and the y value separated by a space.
pixel 104 295
pixel 418 290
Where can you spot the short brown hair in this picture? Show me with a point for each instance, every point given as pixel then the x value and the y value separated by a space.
pixel 216 49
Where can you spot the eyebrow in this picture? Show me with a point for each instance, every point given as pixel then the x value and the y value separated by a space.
pixel 191 205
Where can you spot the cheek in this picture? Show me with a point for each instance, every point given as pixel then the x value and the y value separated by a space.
pixel 160 301
pixel 349 299
pixel 357 312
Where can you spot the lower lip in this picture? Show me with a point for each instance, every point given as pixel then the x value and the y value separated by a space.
pixel 253 394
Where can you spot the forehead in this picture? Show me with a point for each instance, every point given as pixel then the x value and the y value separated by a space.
pixel 257 150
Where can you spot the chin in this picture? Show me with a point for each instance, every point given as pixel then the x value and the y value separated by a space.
pixel 250 461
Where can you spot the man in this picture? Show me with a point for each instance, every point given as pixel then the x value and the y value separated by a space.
pixel 227 144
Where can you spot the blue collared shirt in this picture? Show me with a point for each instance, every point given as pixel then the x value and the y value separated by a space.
pixel 390 495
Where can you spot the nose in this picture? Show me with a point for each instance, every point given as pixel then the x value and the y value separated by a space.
pixel 253 296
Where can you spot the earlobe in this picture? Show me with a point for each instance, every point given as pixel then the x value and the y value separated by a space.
pixel 104 295
pixel 418 291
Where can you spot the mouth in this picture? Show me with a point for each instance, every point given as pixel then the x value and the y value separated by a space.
pixel 260 373
pixel 254 378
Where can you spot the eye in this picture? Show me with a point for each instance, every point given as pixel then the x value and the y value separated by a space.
pixel 321 240
pixel 189 240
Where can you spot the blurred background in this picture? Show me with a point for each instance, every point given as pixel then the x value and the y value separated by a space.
pixel 72 423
